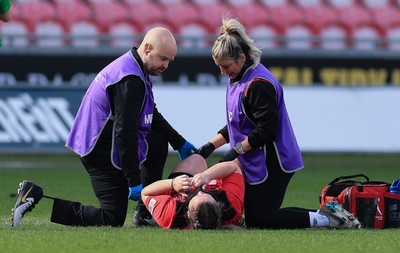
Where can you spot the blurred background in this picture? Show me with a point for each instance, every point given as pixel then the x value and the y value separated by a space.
pixel 338 61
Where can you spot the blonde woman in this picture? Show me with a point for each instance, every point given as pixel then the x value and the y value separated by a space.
pixel 261 137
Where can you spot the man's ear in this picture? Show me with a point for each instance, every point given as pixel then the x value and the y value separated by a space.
pixel 147 48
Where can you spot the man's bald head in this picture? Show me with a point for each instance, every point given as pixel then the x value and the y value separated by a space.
pixel 159 36
pixel 157 49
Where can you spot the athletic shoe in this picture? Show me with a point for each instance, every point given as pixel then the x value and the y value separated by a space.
pixel 142 217
pixel 338 216
pixel 29 195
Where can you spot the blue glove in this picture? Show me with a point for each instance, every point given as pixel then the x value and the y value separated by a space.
pixel 186 150
pixel 135 192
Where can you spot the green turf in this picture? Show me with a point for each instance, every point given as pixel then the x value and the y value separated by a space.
pixel 62 176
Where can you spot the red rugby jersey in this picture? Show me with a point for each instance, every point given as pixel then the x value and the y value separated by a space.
pixel 163 207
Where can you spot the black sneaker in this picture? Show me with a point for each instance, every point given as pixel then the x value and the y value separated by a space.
pixel 142 217
pixel 29 194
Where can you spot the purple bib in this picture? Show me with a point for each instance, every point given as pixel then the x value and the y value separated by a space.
pixel 95 109
pixel 239 126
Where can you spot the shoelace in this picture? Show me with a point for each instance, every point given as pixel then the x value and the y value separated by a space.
pixel 332 206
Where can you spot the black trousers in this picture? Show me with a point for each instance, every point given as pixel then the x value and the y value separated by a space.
pixel 111 188
pixel 263 201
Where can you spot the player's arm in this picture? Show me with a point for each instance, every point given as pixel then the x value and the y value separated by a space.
pixel 159 187
pixel 218 171
pixel 180 184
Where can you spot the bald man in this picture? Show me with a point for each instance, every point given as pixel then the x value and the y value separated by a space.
pixel 121 139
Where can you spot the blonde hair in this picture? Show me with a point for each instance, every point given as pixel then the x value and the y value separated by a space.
pixel 234 41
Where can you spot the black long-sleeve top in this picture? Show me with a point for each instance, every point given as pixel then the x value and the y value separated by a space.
pixel 126 99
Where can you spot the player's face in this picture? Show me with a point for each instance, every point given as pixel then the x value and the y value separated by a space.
pixel 158 60
pixel 230 67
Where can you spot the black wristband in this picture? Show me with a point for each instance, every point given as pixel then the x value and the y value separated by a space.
pixel 206 150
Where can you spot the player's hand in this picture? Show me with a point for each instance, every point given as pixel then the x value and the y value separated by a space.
pixel 206 150
pixel 186 150
pixel 200 179
pixel 182 184
pixel 135 192
pixel 229 156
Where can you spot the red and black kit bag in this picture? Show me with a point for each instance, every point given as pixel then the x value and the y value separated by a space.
pixel 365 199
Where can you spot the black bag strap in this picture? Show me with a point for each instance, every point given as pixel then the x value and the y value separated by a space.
pixel 336 187
pixel 348 177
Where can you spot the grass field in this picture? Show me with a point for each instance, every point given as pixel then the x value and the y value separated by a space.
pixel 62 176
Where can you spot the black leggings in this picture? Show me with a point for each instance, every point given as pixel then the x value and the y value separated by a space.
pixel 110 187
pixel 263 202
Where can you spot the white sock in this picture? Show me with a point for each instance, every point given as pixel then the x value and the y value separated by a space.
pixel 318 220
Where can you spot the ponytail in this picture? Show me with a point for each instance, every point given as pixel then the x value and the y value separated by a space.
pixel 234 41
